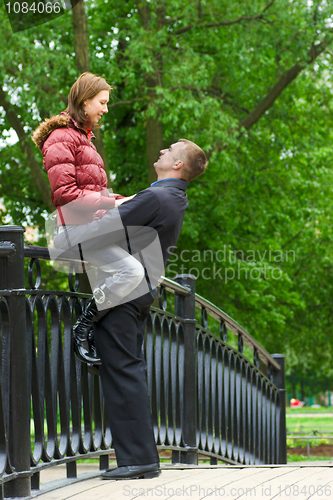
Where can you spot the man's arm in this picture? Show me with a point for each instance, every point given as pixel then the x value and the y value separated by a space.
pixel 120 201
pixel 140 210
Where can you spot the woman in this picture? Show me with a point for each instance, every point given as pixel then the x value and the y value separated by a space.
pixel 79 192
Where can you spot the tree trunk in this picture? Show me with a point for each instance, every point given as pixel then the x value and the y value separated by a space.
pixel 81 46
pixel 302 391
pixel 154 126
pixel 154 143
pixel 80 30
pixel 27 149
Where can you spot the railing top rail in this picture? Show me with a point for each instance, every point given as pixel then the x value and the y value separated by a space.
pixel 174 287
pixel 35 252
pixel 234 327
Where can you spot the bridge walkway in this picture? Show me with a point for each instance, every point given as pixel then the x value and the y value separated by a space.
pixel 303 482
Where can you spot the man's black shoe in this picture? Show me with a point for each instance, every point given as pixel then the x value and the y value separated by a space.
pixel 133 472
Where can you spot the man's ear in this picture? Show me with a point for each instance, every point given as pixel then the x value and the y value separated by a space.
pixel 178 165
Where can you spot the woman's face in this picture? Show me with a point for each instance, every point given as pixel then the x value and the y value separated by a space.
pixel 96 106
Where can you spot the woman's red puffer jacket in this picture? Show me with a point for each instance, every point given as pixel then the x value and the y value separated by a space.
pixel 75 170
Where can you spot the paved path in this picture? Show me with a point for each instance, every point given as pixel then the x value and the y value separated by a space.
pixel 301 482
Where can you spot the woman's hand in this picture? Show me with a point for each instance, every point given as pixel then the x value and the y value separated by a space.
pixel 119 202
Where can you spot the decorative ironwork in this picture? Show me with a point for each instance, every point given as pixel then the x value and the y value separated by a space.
pixel 73 285
pixel 256 359
pixel 204 317
pixel 223 331
pixel 34 263
pixel 162 298
pixel 240 343
pixel 206 397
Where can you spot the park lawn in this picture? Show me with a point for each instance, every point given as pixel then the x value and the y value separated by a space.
pixel 308 420
pixel 303 458
pixel 307 424
pixel 308 409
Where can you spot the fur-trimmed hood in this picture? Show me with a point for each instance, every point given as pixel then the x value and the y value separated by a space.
pixel 42 132
pixel 74 168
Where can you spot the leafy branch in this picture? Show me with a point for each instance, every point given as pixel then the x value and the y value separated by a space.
pixel 126 103
pixel 26 148
pixel 285 79
pixel 225 22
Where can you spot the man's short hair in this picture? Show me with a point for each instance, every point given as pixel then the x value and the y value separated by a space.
pixel 195 160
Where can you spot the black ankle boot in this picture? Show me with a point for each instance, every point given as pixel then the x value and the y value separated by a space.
pixel 85 351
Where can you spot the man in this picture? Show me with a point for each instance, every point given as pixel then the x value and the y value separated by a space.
pixel 119 334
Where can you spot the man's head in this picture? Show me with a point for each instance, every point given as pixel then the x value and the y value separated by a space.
pixel 182 160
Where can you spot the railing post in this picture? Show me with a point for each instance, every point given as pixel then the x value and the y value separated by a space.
pixel 279 381
pixel 185 309
pixel 12 278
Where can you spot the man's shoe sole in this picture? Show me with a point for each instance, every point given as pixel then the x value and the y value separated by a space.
pixel 144 475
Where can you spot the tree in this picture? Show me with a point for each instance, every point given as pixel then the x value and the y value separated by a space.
pixel 251 83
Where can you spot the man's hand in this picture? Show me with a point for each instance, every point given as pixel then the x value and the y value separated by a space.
pixel 119 202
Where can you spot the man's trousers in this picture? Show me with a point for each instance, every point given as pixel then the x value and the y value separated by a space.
pixel 119 338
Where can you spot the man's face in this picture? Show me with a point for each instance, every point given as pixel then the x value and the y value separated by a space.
pixel 169 157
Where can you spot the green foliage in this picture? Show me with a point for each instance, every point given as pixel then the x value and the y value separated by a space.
pixel 265 200
pixel 293 443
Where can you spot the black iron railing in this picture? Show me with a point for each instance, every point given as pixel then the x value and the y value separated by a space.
pixel 206 396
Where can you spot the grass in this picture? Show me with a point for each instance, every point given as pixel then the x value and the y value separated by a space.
pixel 299 420
pixel 304 458
pixel 308 425
pixel 308 409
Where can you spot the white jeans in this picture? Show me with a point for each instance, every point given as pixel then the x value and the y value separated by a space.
pixel 114 267
pixel 118 270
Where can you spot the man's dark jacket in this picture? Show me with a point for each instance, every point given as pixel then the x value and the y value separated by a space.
pixel 161 207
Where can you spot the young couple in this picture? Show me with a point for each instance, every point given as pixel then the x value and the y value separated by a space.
pixel 127 240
